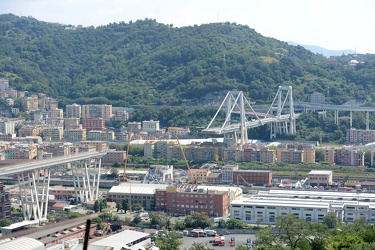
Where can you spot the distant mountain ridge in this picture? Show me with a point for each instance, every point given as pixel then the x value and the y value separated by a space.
pixel 323 51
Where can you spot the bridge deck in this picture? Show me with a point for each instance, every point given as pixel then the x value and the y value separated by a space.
pixel 47 163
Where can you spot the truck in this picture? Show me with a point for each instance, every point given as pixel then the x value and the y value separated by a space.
pixel 216 241
pixel 210 232
pixel 222 241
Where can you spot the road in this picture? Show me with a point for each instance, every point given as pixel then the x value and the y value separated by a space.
pixel 240 240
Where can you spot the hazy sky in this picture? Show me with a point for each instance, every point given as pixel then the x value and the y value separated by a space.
pixel 331 24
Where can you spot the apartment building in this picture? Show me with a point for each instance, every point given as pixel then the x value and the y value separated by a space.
pixel 135 127
pixel 158 149
pixel 56 113
pixel 4 84
pixel 29 130
pixel 360 136
pixel 73 111
pixel 21 151
pixel 316 98
pixel 296 153
pixel 72 123
pixel 100 135
pixel 121 115
pixel 5 212
pixel 56 149
pixel 103 111
pixel 150 126
pixel 200 175
pixel 320 178
pixel 53 133
pixel 249 152
pixel 30 103
pixel 74 135
pixel 114 156
pixel 180 132
pixel 93 124
pixel 345 156
pixel 187 200
pixel 7 127
pixel 99 145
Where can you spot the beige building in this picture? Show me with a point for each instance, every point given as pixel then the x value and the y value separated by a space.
pixel 29 130
pixel 103 111
pixel 320 178
pixel 180 132
pixel 73 111
pixel 56 113
pixel 100 135
pixel 100 145
pixel 54 133
pixel 75 134
pixel 21 151
pixel 200 175
pixel 135 127
pixel 30 103
pixel 360 136
pixel 345 156
pixel 72 123
pixel 292 153
pixel 114 156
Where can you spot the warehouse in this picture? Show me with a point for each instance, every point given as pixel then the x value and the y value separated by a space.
pixel 264 209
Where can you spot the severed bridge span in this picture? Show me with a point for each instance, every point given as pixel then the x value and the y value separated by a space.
pixel 34 177
pixel 280 116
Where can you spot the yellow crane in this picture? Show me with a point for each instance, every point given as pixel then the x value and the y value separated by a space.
pixel 243 179
pixel 124 178
pixel 186 162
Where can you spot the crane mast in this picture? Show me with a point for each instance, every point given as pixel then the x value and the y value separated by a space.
pixel 186 162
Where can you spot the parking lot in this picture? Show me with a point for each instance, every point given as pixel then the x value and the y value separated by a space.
pixel 239 238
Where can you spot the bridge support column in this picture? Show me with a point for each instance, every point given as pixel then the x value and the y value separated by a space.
pixel 33 191
pixel 367 120
pixel 230 139
pixel 336 117
pixel 86 176
pixel 351 119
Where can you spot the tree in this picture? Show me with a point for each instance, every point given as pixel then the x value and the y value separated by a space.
pixel 168 243
pixel 97 207
pixel 5 222
pixel 199 246
pixel 292 230
pixel 137 220
pixel 137 207
pixel 103 204
pixel 125 204
pixel 266 237
pixel 118 206
pixel 179 225
pixel 198 219
pixel 331 220
pixel 114 173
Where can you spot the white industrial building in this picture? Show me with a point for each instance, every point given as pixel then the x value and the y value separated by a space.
pixel 264 207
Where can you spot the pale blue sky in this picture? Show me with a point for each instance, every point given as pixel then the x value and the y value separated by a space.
pixel 332 24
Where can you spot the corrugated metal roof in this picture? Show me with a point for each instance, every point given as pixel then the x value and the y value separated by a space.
pixel 22 243
pixel 124 238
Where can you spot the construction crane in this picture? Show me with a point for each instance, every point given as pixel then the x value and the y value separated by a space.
pixel 186 162
pixel 124 178
pixel 243 179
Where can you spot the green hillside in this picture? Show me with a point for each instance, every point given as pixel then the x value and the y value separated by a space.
pixel 145 62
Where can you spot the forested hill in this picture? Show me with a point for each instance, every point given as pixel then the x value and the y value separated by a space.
pixel 145 62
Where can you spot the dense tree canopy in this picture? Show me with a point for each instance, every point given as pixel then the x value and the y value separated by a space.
pixel 149 63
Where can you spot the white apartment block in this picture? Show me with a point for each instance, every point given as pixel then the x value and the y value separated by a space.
pixel 73 111
pixel 150 126
pixel 227 173
pixel 4 84
pixel 7 127
pixel 308 205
